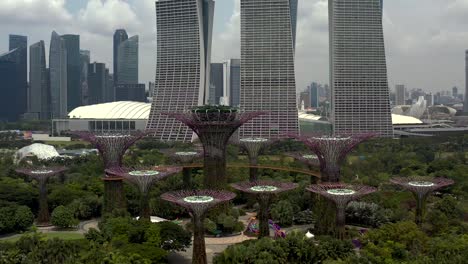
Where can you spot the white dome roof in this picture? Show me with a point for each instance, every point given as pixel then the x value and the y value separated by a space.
pixel 405 120
pixel 41 151
pixel 114 110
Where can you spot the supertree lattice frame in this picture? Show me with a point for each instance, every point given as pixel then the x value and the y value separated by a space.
pixel 341 194
pixel 264 191
pixel 332 151
pixel 112 147
pixel 253 147
pixel 185 158
pixel 421 187
pixel 214 130
pixel 198 202
pixel 42 175
pixel 144 179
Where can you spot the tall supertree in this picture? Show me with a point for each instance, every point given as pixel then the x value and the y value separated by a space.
pixel 331 151
pixel 253 146
pixel 41 175
pixel 112 147
pixel 421 187
pixel 264 191
pixel 185 158
pixel 144 179
pixel 198 202
pixel 214 125
pixel 341 194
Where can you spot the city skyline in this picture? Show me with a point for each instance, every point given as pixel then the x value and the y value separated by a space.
pixel 409 47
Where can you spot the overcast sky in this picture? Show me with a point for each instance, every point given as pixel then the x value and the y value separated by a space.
pixel 425 39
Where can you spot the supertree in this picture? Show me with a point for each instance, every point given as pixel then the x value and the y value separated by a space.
pixel 265 192
pixel 198 202
pixel 421 187
pixel 112 147
pixel 41 175
pixel 341 194
pixel 253 146
pixel 144 179
pixel 214 125
pixel 185 158
pixel 331 151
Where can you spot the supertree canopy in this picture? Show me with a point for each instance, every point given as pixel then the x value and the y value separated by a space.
pixel 42 174
pixel 341 194
pixel 331 151
pixel 214 125
pixel 184 158
pixel 253 146
pixel 144 179
pixel 265 192
pixel 198 202
pixel 112 147
pixel 421 187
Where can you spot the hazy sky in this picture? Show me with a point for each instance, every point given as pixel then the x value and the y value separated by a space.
pixel 425 39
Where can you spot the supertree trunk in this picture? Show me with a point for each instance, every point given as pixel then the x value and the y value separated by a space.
pixel 214 167
pixel 199 252
pixel 145 211
pixel 325 211
pixel 253 172
pixel 114 197
pixel 340 231
pixel 264 228
pixel 187 178
pixel 43 216
pixel 420 208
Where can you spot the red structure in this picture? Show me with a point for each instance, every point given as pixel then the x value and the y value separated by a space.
pixel 186 158
pixel 332 150
pixel 253 146
pixel 214 126
pixel 112 147
pixel 41 175
pixel 421 187
pixel 144 179
pixel 265 192
pixel 198 202
pixel 341 194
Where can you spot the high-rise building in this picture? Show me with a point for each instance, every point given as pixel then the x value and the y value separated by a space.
pixel 314 95
pixel 465 105
pixel 20 43
pixel 267 67
pixel 130 92
pixel 10 81
pixel 304 100
pixel 39 94
pixel 400 94
pixel 127 61
pixel 232 82
pixel 85 59
pixel 360 95
pixel 293 13
pixel 96 82
pixel 72 45
pixel 109 91
pixel 120 36
pixel 455 92
pixel 183 58
pixel 216 83
pixel 58 76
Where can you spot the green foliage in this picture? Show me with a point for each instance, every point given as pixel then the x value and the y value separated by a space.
pixel 15 219
pixel 366 214
pixel 282 213
pixel 304 217
pixel 86 207
pixel 63 217
pixel 24 218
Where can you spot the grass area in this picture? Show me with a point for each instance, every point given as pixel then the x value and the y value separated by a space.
pixel 61 235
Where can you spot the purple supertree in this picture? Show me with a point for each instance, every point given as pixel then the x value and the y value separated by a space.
pixel 198 202
pixel 421 187
pixel 185 158
pixel 41 175
pixel 265 192
pixel 331 151
pixel 144 179
pixel 341 194
pixel 112 147
pixel 214 126
pixel 253 146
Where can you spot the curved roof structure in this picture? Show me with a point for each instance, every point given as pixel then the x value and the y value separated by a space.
pixel 41 151
pixel 114 110
pixel 405 120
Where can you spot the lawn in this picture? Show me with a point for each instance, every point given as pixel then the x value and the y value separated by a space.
pixel 61 235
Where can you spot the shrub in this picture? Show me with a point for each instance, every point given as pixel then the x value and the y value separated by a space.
pixel 63 217
pixel 366 214
pixel 304 218
pixel 86 207
pixel 24 218
pixel 283 213
pixel 174 237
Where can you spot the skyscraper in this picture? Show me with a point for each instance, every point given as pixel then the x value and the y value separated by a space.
pixel 96 82
pixel 216 83
pixel 120 36
pixel 58 76
pixel 85 58
pixel 233 82
pixel 465 105
pixel 39 94
pixel 360 95
pixel 20 43
pixel 267 67
pixel 72 45
pixel 400 94
pixel 10 81
pixel 184 29
pixel 314 95
pixel 127 61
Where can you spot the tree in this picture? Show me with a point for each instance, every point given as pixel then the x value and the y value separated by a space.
pixel 283 213
pixel 63 217
pixel 174 237
pixel 24 218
